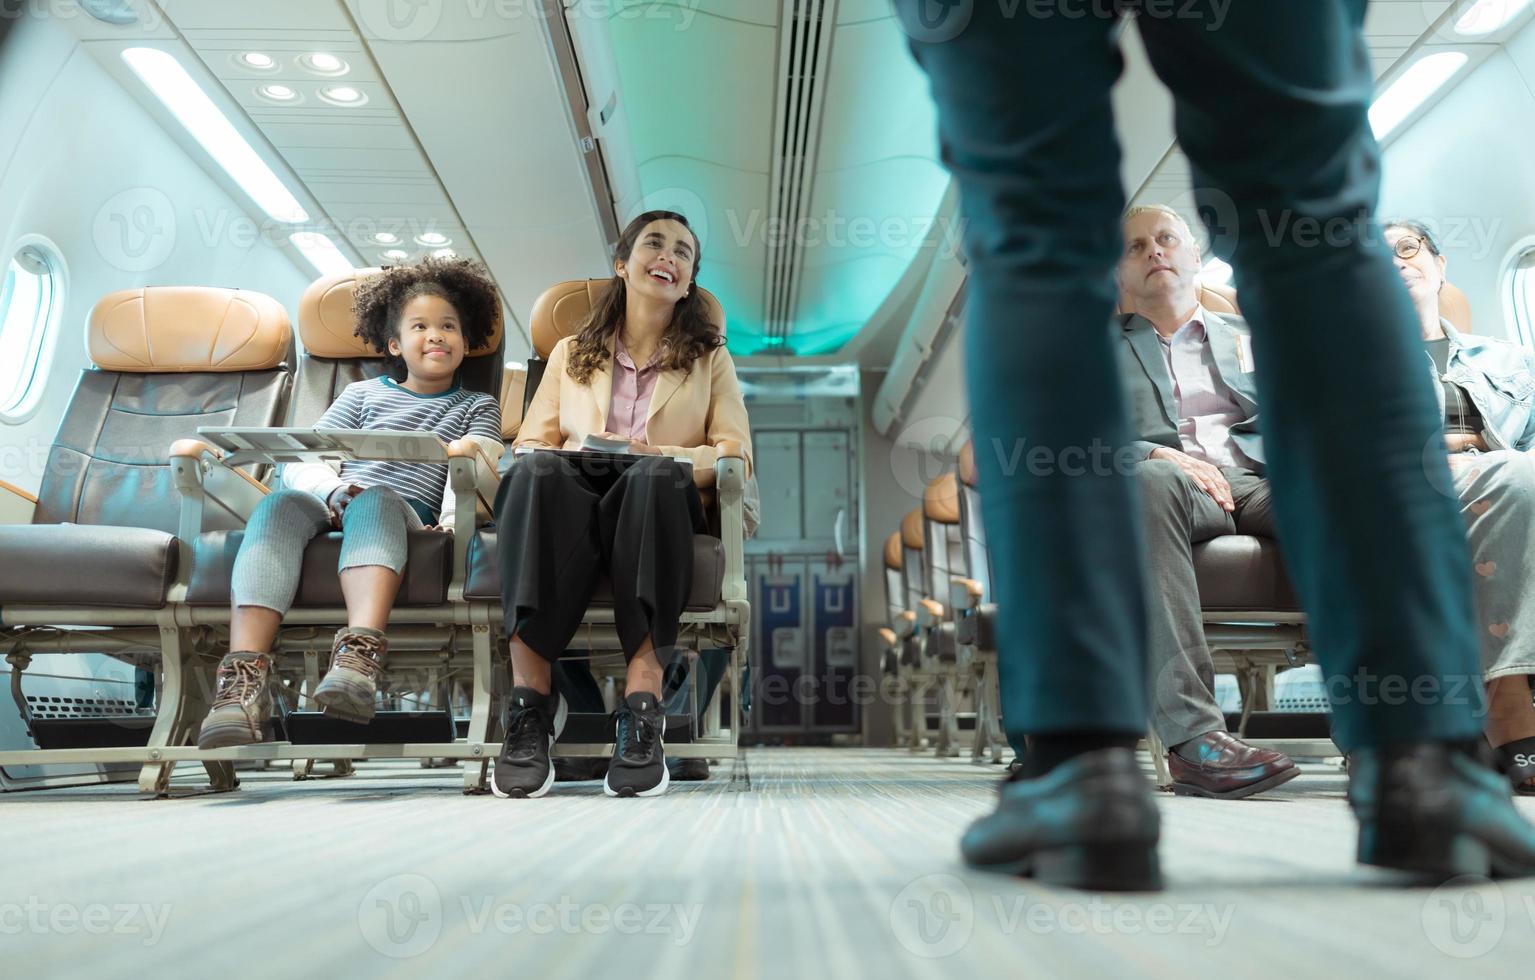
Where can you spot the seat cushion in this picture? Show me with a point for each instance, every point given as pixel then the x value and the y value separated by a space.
pixel 1242 573
pixel 86 565
pixel 428 559
pixel 484 582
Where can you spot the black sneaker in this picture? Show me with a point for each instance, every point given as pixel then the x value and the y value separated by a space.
pixel 534 721
pixel 639 763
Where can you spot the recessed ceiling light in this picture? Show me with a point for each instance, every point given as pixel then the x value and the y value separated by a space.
pixel 278 93
pixel 433 238
pixel 323 63
pixel 342 95
pixel 397 255
pixel 258 60
pixel 118 13
pixel 444 253
pixel 1421 80
pixel 1487 16
pixel 386 238
pixel 321 252
pixel 184 98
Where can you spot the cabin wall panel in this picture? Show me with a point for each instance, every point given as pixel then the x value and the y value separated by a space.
pixel 86 167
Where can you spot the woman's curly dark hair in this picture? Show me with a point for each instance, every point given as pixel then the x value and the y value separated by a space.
pixel 379 301
pixel 689 336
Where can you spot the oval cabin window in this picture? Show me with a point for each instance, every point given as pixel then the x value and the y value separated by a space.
pixel 29 301
pixel 1521 287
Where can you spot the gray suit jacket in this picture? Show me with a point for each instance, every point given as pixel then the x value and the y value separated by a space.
pixel 1149 388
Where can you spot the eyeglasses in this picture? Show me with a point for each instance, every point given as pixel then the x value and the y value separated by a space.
pixel 1408 245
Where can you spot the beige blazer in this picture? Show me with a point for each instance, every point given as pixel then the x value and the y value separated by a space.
pixel 690 413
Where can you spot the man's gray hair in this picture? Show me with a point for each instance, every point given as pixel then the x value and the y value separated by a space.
pixel 1162 209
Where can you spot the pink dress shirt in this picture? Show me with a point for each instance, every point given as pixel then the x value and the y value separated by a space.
pixel 632 388
pixel 1205 406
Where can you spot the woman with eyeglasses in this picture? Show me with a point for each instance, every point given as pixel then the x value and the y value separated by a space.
pixel 1487 392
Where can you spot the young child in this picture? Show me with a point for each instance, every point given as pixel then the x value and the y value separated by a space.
pixel 424 318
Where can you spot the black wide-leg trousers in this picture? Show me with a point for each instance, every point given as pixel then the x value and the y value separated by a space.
pixel 561 523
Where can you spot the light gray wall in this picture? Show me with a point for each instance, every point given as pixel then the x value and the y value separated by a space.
pixel 83 165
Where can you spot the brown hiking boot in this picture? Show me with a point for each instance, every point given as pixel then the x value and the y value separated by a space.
pixel 242 703
pixel 356 659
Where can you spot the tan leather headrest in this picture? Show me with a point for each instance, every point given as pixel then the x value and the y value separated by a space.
pixel 564 308
pixel 178 329
pixel 514 383
pixel 967 471
pixel 326 325
pixel 1216 299
pixel 940 502
pixel 911 530
pixel 1455 307
pixel 893 552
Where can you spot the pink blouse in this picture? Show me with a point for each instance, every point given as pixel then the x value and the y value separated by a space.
pixel 632 388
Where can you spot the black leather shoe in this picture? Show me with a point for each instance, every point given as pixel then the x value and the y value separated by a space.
pixel 1434 809
pixel 1089 823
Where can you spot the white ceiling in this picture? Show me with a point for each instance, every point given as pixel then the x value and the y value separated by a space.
pixel 1395 30
pixel 467 130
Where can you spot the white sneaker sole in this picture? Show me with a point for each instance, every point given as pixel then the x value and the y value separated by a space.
pixel 560 714
pixel 656 790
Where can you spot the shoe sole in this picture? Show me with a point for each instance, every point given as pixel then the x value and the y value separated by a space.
pixel 1241 792
pixel 517 792
pixel 629 792
pixel 226 736
pixel 346 699
pixel 1090 867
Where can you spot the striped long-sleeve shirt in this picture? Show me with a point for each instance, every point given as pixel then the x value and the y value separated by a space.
pixel 382 403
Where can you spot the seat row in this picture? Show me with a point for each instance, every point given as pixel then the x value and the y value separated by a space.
pixel 128 545
pixel 941 635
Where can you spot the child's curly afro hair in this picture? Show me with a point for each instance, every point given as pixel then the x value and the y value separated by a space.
pixel 379 301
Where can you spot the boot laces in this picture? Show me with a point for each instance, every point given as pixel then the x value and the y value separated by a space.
pixel 239 681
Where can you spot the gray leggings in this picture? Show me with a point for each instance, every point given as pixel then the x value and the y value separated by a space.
pixel 1497 499
pixel 267 568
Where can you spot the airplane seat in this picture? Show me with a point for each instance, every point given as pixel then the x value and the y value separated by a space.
pixel 514 389
pixel 334 357
pixel 166 359
pixel 1455 306
pixel 975 613
pixel 718 609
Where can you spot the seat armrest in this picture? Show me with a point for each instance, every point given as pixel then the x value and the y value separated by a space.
pixel 730 484
pixel 887 637
pixel 201 475
pixel 929 613
pixel 16 505
pixel 964 593
pixel 473 477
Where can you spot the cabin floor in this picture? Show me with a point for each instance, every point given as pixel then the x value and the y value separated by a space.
pixel 834 862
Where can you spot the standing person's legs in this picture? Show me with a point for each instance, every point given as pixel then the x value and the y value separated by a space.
pixel 1285 164
pixel 1286 173
pixel 1038 175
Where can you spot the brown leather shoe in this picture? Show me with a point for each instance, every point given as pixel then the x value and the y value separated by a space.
pixel 1229 768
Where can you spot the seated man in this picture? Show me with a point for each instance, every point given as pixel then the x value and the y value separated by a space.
pixel 1188 381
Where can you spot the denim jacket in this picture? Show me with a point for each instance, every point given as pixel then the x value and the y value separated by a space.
pixel 1499 377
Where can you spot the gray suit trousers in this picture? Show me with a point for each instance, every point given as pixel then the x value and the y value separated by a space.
pixel 1179 515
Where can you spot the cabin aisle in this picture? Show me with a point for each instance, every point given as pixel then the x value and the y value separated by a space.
pixel 839 862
